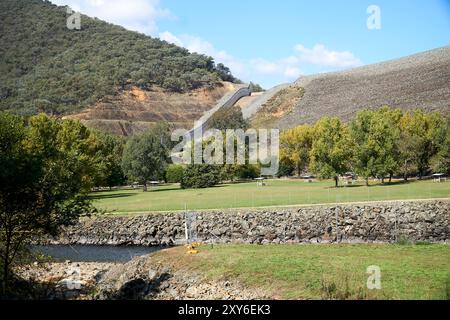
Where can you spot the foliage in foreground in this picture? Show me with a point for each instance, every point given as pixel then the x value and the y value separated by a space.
pixel 48 169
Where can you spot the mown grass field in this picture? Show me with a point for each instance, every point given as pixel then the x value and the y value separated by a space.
pixel 324 271
pixel 276 193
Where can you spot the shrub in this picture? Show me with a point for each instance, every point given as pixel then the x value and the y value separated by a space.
pixel 248 171
pixel 200 176
pixel 286 169
pixel 174 173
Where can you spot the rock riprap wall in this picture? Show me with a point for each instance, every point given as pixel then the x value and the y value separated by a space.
pixel 376 222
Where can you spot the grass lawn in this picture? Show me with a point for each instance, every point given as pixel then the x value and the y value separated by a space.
pixel 324 271
pixel 276 193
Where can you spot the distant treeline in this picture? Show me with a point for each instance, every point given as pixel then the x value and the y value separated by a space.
pixel 45 67
pixel 376 143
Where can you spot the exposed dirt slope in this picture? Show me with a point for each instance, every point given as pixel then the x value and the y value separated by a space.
pixel 277 107
pixel 134 110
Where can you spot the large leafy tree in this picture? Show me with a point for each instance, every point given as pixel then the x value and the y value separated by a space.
pixel 296 146
pixel 146 156
pixel 385 133
pixel 376 135
pixel 441 162
pixel 44 182
pixel 109 151
pixel 331 151
pixel 230 118
pixel 420 140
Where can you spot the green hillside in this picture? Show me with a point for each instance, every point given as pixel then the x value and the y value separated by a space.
pixel 45 66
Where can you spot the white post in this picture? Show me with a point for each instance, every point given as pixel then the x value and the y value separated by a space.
pixel 185 224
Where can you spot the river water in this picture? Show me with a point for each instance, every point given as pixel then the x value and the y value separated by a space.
pixel 84 253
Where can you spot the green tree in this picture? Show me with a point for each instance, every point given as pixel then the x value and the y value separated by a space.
pixel 287 168
pixel 174 173
pixel 200 176
pixel 331 151
pixel 295 147
pixel 420 135
pixel 230 118
pixel 146 156
pixel 386 133
pixel 365 145
pixel 441 162
pixel 109 151
pixel 224 73
pixel 376 136
pixel 44 182
pixel 254 87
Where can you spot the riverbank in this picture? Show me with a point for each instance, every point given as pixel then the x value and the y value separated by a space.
pixel 144 277
pixel 233 272
pixel 63 280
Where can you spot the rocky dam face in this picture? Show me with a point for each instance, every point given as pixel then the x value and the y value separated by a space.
pixel 383 222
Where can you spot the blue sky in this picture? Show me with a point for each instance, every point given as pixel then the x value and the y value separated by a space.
pixel 272 42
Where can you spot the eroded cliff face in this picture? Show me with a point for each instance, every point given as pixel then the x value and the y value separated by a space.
pixel 351 223
pixel 133 110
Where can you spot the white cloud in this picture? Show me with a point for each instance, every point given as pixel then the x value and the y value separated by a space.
pixel 169 37
pixel 136 15
pixel 292 72
pixel 320 55
pixel 287 68
pixel 272 71
pixel 244 69
pixel 199 45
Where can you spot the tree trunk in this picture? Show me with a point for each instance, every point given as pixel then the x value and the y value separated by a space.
pixel 367 181
pixel 382 180
pixel 336 180
pixel 390 177
pixel 145 186
pixel 6 267
pixel 5 278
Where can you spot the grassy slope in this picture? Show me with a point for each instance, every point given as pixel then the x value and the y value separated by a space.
pixel 305 272
pixel 47 67
pixel 277 193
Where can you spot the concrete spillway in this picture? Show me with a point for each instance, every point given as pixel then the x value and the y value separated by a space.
pixel 228 101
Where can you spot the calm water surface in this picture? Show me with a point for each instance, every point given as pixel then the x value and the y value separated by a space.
pixel 83 253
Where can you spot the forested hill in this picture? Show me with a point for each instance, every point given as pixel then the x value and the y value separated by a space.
pixel 45 66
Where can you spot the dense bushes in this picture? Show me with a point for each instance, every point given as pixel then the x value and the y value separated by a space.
pixel 46 67
pixel 200 176
pixel 174 173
